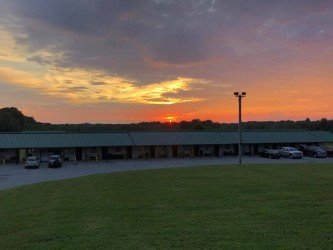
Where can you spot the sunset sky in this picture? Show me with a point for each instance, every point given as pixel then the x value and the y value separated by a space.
pixel 119 61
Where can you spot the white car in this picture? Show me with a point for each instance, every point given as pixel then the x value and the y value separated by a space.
pixel 32 162
pixel 291 153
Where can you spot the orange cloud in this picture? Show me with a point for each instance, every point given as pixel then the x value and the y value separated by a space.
pixel 89 86
pixel 77 85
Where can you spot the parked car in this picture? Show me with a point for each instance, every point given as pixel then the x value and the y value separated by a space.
pixel 55 161
pixel 45 157
pixel 314 151
pixel 291 153
pixel 32 162
pixel 329 150
pixel 270 153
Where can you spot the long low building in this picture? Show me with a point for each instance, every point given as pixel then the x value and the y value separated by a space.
pixel 15 147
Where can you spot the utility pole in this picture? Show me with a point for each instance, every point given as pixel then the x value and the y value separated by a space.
pixel 240 95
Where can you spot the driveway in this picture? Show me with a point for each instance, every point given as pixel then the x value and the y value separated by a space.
pixel 13 175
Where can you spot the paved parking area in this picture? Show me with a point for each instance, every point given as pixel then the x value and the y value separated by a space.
pixel 13 175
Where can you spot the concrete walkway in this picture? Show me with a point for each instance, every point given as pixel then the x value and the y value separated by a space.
pixel 13 175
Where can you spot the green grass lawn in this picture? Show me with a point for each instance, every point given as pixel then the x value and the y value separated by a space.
pixel 254 206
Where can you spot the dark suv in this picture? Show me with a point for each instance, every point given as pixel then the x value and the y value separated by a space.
pixel 55 161
pixel 270 153
pixel 314 151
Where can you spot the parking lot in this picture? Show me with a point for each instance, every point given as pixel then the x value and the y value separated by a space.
pixel 13 175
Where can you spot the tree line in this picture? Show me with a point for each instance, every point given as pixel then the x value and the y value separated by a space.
pixel 13 120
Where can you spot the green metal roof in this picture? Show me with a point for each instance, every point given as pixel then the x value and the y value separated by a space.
pixel 65 140
pixel 222 137
pixel 181 138
pixel 287 137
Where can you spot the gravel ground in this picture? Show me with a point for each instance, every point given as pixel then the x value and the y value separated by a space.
pixel 13 175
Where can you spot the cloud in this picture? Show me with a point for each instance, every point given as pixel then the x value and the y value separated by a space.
pixel 181 47
pixel 147 40
pixel 115 88
pixel 74 85
pixel 40 69
pixel 112 34
pixel 98 83
pixel 9 50
pixel 165 51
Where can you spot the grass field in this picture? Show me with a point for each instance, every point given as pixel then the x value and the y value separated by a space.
pixel 254 206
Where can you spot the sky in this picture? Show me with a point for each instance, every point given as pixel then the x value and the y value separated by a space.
pixel 122 61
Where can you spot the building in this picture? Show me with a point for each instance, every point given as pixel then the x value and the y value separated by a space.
pixel 15 147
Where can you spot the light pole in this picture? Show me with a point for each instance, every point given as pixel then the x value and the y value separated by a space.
pixel 240 95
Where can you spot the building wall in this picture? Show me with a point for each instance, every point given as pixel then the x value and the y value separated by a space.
pixel 169 151
pixel 185 151
pixel 227 149
pixel 9 155
pixel 206 150
pixel 144 152
pixel 90 153
pixel 68 154
pixel 141 152
pixel 116 150
pixel 163 152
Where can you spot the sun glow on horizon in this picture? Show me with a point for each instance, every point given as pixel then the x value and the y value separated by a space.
pixel 171 118
pixel 166 67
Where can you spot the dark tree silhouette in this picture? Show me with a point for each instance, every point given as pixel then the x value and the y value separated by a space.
pixel 12 120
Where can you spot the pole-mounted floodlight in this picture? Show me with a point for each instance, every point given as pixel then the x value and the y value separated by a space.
pixel 240 96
